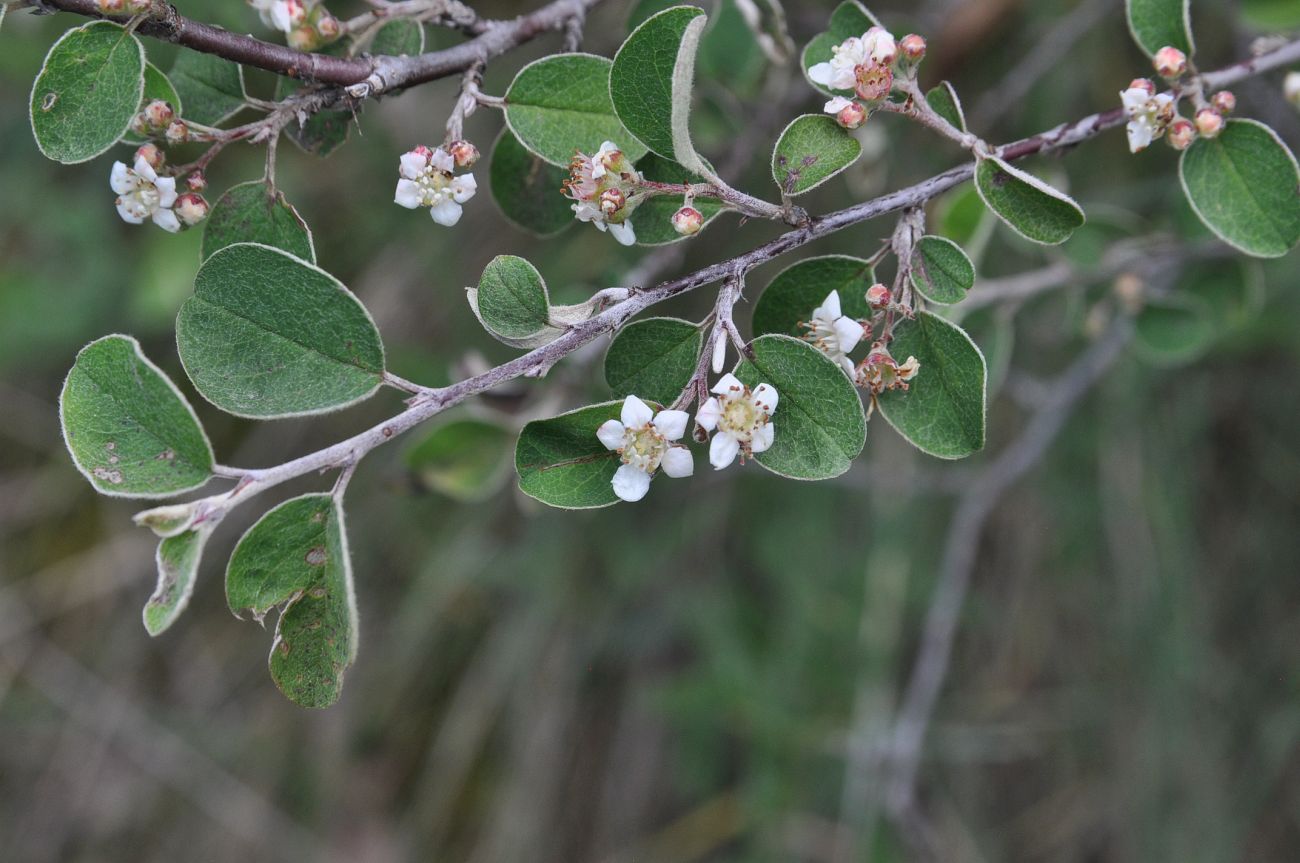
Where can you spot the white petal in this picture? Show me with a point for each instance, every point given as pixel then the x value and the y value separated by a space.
pixel 820 74
pixel 127 214
pixel 726 384
pixel 762 440
pixel 636 413
pixel 441 160
pixel 144 170
pixel 121 179
pixel 611 434
pixel 831 306
pixel 678 462
pixel 849 333
pixel 281 18
pixel 708 414
pixel 600 224
pixel 630 483
pixel 723 450
pixel 463 188
pixel 407 195
pixel 446 212
pixel 837 104
pixel 847 365
pixel 166 219
pixel 1139 135
pixel 166 187
pixel 765 397
pixel 671 424
pixel 588 212
pixel 623 233
pixel 412 165
pixel 719 351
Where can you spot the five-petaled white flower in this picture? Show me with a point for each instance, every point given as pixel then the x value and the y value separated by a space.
pixel 603 190
pixel 876 47
pixel 1148 116
pixel 833 333
pixel 741 418
pixel 643 440
pixel 142 194
pixel 427 181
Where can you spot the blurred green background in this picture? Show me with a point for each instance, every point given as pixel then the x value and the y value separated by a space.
pixel 702 676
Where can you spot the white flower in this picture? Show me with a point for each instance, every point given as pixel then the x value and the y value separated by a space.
pixel 142 194
pixel 742 419
pixel 1148 116
pixel 875 47
pixel 833 333
pixel 427 181
pixel 282 15
pixel 643 441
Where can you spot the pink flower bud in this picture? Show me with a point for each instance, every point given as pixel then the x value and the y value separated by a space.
pixel 1209 122
pixel 423 152
pixel 196 181
pixel 874 82
pixel 177 132
pixel 913 47
pixel 611 201
pixel 1143 84
pixel 1181 134
pixel 328 27
pixel 851 116
pixel 159 114
pixel 151 154
pixel 465 153
pixel 191 208
pixel 111 7
pixel 1170 63
pixel 687 221
pixel 1224 102
pixel 878 297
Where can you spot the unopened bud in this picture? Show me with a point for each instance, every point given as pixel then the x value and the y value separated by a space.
pixel 1224 101
pixel 912 47
pixel 1181 134
pixel 687 221
pixel 196 181
pixel 611 201
pixel 465 153
pixel 139 7
pixel 851 116
pixel 1291 88
pixel 151 154
pixel 302 38
pixel 111 7
pixel 874 82
pixel 1143 84
pixel 1209 122
pixel 140 126
pixel 328 27
pixel 191 208
pixel 423 151
pixel 878 297
pixel 158 114
pixel 177 132
pixel 1170 63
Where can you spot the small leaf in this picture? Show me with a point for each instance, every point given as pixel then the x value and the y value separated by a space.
pixel 211 89
pixel 944 101
pixel 941 271
pixel 512 298
pixel 803 286
pixel 156 88
pixel 653 358
pixel 1175 330
pixel 819 424
pixel 1157 23
pixel 87 92
pixel 127 426
pixel 850 18
pixel 254 212
pixel 653 218
pixel 561 462
pixel 527 188
pixel 400 37
pixel 178 564
pixel 1031 208
pixel 268 335
pixel 296 558
pixel 466 459
pixel 811 150
pixel 561 104
pixel 1245 187
pixel 942 413
pixel 651 81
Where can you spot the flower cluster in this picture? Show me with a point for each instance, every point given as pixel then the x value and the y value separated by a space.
pixel 1151 115
pixel 866 65
pixel 836 335
pixel 603 188
pixel 143 194
pixel 428 179
pixel 306 25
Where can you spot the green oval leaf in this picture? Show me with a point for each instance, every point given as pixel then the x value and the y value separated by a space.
pixel 850 18
pixel 527 188
pixel 396 38
pixel 127 426
pixel 653 358
pixel 651 81
pixel 943 100
pixel 811 150
pixel 561 104
pixel 211 89
pixel 156 87
pixel 941 271
pixel 268 335
pixel 1032 208
pixel 1157 23
pixel 466 459
pixel 1175 330
pixel 561 463
pixel 178 563
pixel 803 286
pixel 512 300
pixel 254 212
pixel 1243 185
pixel 296 557
pixel 819 424
pixel 943 411
pixel 654 218
pixel 87 92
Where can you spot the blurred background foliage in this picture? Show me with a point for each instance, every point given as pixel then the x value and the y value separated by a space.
pixel 693 678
